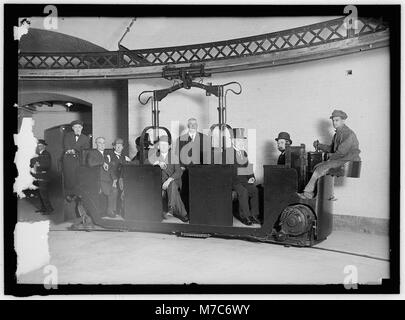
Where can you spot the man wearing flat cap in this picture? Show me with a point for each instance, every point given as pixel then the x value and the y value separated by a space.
pixel 74 142
pixel 40 166
pixel 171 176
pixel 344 148
pixel 283 140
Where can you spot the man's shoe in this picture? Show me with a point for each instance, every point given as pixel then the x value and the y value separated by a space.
pixel 246 221
pixel 255 220
pixel 184 219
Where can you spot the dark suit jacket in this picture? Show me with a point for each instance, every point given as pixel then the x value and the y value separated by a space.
pixel 69 142
pixel 173 169
pixel 116 164
pixel 44 160
pixel 281 159
pixel 243 169
pixel 199 142
pixel 96 159
pixel 344 147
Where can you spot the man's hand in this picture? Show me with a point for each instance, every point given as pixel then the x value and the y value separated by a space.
pixel 121 183
pixel 115 183
pixel 166 183
pixel 36 164
pixel 105 166
pixel 251 180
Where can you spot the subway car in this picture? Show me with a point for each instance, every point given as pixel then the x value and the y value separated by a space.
pixel 286 218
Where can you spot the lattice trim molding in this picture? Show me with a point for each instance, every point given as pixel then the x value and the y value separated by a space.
pixel 306 36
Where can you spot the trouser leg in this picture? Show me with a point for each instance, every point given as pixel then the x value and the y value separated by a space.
pixel 112 201
pixel 44 196
pixel 254 199
pixel 243 199
pixel 321 170
pixel 174 199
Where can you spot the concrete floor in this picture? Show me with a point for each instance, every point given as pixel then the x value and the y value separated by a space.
pixel 148 258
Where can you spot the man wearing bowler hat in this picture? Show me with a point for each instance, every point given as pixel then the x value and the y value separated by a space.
pixel 40 166
pixel 344 148
pixel 73 144
pixel 171 176
pixel 283 140
pixel 244 180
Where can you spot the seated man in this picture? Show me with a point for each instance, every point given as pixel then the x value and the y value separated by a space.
pixel 344 148
pixel 108 186
pixel 283 140
pixel 244 181
pixel 171 177
pixel 146 146
pixel 190 146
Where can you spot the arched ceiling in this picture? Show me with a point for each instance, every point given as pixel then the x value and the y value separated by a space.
pixel 38 40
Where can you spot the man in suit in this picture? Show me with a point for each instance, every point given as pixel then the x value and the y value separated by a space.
pixel 244 181
pixel 190 146
pixel 344 148
pixel 117 160
pixel 40 166
pixel 171 177
pixel 108 185
pixel 283 140
pixel 73 144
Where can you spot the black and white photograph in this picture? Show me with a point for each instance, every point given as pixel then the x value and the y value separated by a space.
pixel 188 149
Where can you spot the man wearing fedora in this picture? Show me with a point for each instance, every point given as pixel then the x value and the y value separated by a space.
pixel 283 140
pixel 40 166
pixel 74 143
pixel 344 147
pixel 171 177
pixel 244 180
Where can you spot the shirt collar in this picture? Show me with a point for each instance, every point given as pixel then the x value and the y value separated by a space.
pixel 164 155
pixel 340 128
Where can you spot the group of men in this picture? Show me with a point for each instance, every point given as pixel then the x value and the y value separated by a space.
pixel 189 150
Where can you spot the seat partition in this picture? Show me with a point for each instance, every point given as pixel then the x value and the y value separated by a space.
pixel 296 158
